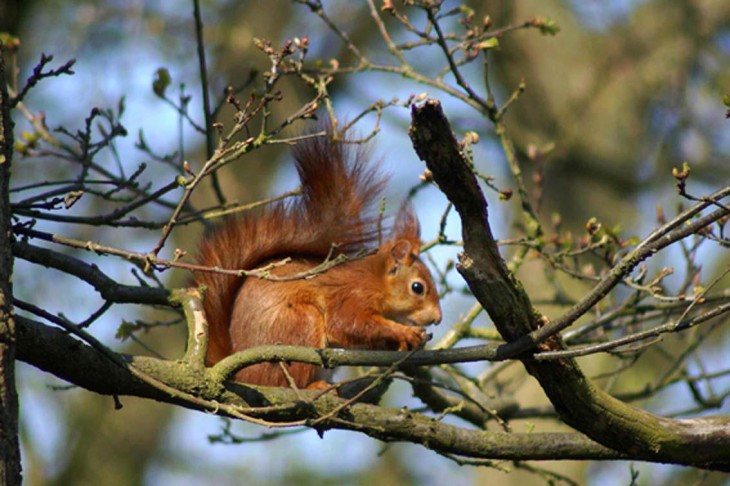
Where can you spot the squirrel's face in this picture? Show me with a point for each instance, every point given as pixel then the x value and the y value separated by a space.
pixel 412 295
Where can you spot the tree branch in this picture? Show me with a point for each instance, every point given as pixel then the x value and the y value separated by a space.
pixel 57 352
pixel 110 290
pixel 700 442
pixel 9 445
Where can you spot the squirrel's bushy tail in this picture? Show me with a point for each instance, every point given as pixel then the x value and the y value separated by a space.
pixel 339 189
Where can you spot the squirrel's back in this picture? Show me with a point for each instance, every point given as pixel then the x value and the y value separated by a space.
pixel 338 187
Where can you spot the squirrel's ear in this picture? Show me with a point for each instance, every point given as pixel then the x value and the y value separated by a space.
pixel 401 250
pixel 406 228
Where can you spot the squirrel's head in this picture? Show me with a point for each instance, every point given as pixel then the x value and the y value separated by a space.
pixel 413 297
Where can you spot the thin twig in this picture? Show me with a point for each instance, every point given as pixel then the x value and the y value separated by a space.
pixel 209 130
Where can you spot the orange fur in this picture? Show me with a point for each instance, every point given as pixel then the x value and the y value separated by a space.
pixel 367 303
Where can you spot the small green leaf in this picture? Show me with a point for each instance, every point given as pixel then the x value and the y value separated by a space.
pixel 726 100
pixel 30 137
pixel 9 41
pixel 681 175
pixel 465 10
pixel 19 147
pixel 490 43
pixel 161 82
pixel 125 330
pixel 547 26
pixel 613 232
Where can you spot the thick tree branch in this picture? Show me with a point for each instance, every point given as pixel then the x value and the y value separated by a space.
pixel 333 357
pixel 9 446
pixel 57 352
pixel 700 442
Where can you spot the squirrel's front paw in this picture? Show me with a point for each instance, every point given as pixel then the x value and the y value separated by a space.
pixel 411 338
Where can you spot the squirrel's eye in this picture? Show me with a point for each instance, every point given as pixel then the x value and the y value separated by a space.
pixel 417 288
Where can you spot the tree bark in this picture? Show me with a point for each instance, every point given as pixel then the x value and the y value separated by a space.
pixel 9 446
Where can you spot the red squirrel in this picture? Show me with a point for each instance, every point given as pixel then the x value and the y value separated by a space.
pixel 379 301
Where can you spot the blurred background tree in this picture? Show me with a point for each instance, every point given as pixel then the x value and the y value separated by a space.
pixel 626 91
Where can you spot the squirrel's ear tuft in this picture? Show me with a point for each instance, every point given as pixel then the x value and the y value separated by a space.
pixel 401 250
pixel 407 228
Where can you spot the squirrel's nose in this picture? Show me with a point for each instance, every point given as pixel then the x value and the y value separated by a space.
pixel 437 316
